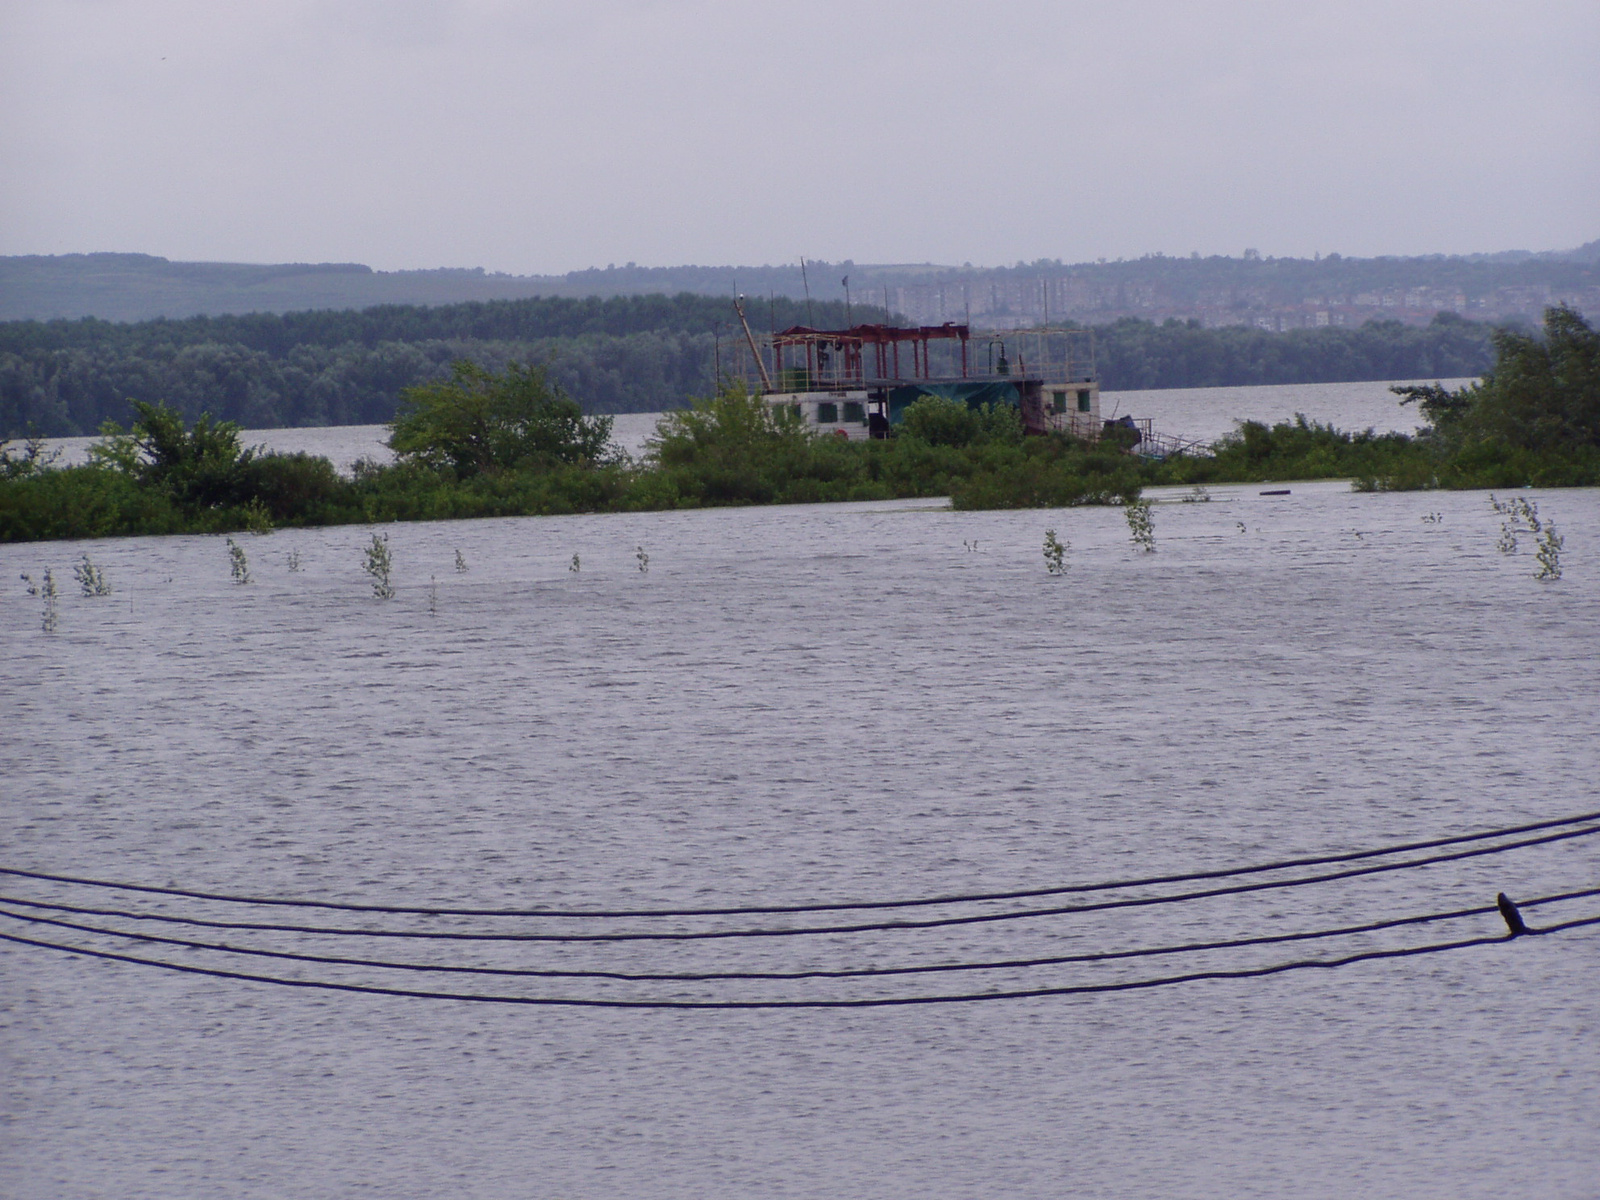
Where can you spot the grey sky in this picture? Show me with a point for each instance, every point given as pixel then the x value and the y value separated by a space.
pixel 539 137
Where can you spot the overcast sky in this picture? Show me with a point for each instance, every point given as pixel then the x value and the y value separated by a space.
pixel 541 137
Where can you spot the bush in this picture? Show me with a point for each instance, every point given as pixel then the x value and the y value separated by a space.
pixel 82 502
pixel 1053 472
pixel 941 422
pixel 295 488
pixel 197 467
pixel 479 421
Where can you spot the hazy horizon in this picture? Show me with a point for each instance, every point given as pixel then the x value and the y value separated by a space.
pixel 538 139
pixel 770 265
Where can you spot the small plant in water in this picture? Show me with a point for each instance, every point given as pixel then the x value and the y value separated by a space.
pixel 433 595
pixel 574 565
pixel 644 559
pixel 91 579
pixel 1548 555
pixel 1517 516
pixel 238 564
pixel 293 559
pixel 461 563
pixel 46 591
pixel 1432 518
pixel 1055 553
pixel 1140 527
pixel 378 566
pixel 1240 524
pixel 1198 495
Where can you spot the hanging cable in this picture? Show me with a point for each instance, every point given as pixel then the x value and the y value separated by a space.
pixel 870 1002
pixel 812 930
pixel 851 973
pixel 831 906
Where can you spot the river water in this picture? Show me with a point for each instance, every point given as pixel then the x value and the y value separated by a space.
pixel 844 701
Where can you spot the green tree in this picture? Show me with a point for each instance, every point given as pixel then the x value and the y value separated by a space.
pixel 478 422
pixel 197 467
pixel 1542 394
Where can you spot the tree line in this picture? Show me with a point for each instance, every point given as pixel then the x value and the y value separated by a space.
pixel 624 354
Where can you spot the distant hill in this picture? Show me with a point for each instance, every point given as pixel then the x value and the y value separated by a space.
pixel 140 287
pixel 1273 293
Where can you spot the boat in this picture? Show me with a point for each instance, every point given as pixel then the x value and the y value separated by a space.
pixel 858 382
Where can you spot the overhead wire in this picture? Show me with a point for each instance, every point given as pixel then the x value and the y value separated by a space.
pixel 824 906
pixel 813 930
pixel 779 976
pixel 867 1002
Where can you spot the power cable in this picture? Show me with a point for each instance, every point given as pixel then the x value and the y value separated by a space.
pixel 832 906
pixel 811 930
pixel 871 1002
pixel 859 972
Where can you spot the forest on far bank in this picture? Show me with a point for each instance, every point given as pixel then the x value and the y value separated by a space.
pixel 623 354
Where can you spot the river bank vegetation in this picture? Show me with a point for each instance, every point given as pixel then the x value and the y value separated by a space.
pixel 483 443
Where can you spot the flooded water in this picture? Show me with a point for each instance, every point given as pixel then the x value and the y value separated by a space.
pixel 852 701
pixel 1200 414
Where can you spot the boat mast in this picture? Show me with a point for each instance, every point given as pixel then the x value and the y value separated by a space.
pixel 766 380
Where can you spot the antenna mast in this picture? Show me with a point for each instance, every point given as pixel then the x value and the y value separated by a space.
pixel 811 319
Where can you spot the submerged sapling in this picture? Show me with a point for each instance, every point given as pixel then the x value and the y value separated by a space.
pixel 46 591
pixel 91 579
pixel 378 565
pixel 574 565
pixel 1140 527
pixel 1517 516
pixel 1055 553
pixel 644 559
pixel 1549 554
pixel 238 564
pixel 461 563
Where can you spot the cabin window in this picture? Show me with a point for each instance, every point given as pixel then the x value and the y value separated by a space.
pixel 1083 401
pixel 855 412
pixel 1059 401
pixel 827 413
pixel 798 411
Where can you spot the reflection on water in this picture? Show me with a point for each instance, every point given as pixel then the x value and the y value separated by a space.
pixel 833 701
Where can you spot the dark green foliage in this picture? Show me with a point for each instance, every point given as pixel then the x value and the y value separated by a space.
pixel 481 422
pixel 1133 354
pixel 736 449
pixel 1438 403
pixel 83 502
pixel 942 422
pixel 1534 418
pixel 295 488
pixel 1542 394
pixel 1297 449
pixel 196 467
pixel 1050 472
